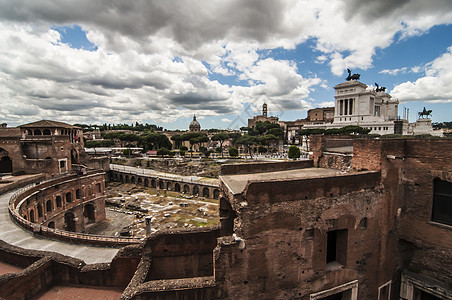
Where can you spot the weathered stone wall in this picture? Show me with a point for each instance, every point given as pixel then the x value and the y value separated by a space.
pixel 264 167
pixel 182 254
pixel 45 269
pixel 279 251
pixel 336 161
pixel 50 202
pixel 410 166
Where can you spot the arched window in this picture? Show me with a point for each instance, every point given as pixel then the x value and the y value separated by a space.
pixel 51 225
pixel 168 186
pixel 205 192
pixel 39 206
pixel 37 132
pixel 195 190
pixel 48 206
pixel 177 187
pixel 68 197
pixel 216 193
pixel 58 201
pixel 46 132
pixel 78 194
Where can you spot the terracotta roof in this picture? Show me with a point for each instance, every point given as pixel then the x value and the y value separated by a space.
pixel 48 124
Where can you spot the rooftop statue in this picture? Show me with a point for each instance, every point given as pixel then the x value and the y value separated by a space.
pixel 379 89
pixel 425 113
pixel 352 77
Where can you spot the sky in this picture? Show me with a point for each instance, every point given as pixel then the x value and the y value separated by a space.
pixel 161 62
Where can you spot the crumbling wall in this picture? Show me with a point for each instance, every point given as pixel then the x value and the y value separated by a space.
pixel 279 247
pixel 257 167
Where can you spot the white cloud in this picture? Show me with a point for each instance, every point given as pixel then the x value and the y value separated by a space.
pixel 394 71
pixel 134 73
pixel 225 120
pixel 434 86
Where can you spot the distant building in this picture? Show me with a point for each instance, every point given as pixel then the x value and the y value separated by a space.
pixel 194 125
pixel 262 118
pixel 44 146
pixel 372 108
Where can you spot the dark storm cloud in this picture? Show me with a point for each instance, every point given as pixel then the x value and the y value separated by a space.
pixel 371 9
pixel 190 23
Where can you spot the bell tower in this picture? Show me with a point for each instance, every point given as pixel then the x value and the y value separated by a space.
pixel 264 110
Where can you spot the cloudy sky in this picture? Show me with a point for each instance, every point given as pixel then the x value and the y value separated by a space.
pixel 116 61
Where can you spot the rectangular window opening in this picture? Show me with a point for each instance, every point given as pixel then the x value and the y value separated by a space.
pixel 336 250
pixel 442 202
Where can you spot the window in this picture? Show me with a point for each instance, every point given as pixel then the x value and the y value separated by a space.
pixel 442 201
pixel 58 201
pixel 336 247
pixel 377 110
pixel 384 291
pixel 62 164
pixel 68 197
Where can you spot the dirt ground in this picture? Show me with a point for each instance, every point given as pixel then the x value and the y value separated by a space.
pixel 68 292
pixel 127 206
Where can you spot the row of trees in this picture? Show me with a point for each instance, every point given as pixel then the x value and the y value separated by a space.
pixel 148 140
pixel 132 127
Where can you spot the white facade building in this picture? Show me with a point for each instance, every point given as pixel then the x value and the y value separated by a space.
pixel 356 104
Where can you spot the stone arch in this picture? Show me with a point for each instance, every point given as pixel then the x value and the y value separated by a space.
pixel 68 197
pixel 132 179
pixel 6 164
pixel 89 213
pixel 146 182
pixel 39 208
pixel 49 206
pixel 216 193
pixel 186 189
pixel 168 185
pixel 205 192
pixel 37 132
pixel 51 225
pixel 195 190
pixel 58 201
pixel 78 194
pixel 126 178
pixel 29 132
pixel 139 180
pixel 177 187
pixel 115 177
pixel 69 221
pixel 161 184
pixel 46 131
pixel 153 183
pixel 32 215
pixel 121 178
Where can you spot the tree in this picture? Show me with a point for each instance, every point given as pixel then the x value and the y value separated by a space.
pixel 233 152
pixel 221 137
pixel 247 141
pixel 177 141
pixel 152 140
pixel 294 152
pixel 163 151
pixel 195 138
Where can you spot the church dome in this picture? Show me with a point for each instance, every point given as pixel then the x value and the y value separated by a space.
pixel 194 125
